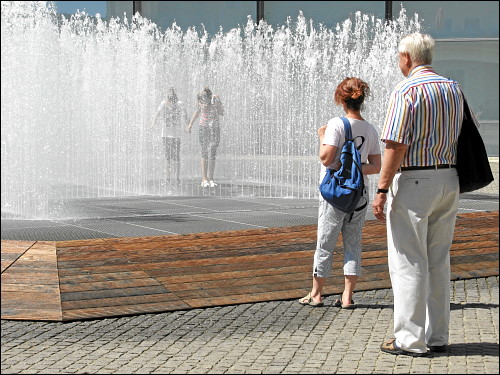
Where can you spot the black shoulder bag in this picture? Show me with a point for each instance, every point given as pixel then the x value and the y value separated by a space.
pixel 473 166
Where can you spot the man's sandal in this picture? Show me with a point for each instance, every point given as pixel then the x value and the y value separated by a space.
pixel 338 303
pixel 391 348
pixel 307 300
pixel 438 348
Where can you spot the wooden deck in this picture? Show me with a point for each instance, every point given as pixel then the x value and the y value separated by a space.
pixel 73 280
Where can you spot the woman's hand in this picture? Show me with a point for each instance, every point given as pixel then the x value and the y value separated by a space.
pixel 193 119
pixel 326 152
pixel 321 131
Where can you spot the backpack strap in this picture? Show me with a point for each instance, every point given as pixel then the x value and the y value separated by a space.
pixel 348 132
pixel 347 128
pixel 359 208
pixel 348 137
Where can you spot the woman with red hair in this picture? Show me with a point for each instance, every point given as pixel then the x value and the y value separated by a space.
pixel 350 94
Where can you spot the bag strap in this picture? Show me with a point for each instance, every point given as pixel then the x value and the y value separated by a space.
pixel 348 132
pixel 348 136
pixel 347 128
pixel 358 209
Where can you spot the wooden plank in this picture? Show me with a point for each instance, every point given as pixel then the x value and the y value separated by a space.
pixel 228 260
pixel 30 278
pixel 10 256
pixel 229 251
pixel 100 277
pixel 110 311
pixel 111 293
pixel 187 260
pixel 19 313
pixel 95 242
pixel 124 301
pixel 245 298
pixel 136 282
pixel 473 259
pixel 216 268
pixel 37 298
pixel 83 254
pixel 32 288
pixel 227 284
pixel 228 275
pixel 208 240
pixel 16 247
pixel 69 272
pixel 245 289
pixel 470 274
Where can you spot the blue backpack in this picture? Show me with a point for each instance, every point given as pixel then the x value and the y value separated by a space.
pixel 344 188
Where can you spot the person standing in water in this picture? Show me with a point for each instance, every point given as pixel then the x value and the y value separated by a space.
pixel 209 110
pixel 173 112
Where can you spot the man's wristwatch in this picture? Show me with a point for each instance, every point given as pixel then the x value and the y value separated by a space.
pixel 382 191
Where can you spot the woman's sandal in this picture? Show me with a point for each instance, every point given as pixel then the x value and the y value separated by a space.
pixel 307 300
pixel 338 303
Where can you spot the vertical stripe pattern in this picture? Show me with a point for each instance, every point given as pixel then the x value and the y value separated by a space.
pixel 425 112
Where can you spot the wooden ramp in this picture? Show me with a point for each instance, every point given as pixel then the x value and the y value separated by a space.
pixel 73 280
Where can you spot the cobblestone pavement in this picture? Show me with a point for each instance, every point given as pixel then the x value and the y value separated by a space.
pixel 277 337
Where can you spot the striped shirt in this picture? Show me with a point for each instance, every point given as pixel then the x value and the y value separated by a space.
pixel 209 115
pixel 425 112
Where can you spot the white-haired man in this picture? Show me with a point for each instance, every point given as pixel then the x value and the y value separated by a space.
pixel 419 181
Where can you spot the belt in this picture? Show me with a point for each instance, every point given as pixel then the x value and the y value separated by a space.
pixel 439 166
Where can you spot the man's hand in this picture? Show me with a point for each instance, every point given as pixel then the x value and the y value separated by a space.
pixel 393 156
pixel 378 205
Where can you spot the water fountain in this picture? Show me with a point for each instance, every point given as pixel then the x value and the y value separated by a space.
pixel 78 96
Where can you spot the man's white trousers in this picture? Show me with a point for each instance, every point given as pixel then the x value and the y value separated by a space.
pixel 421 215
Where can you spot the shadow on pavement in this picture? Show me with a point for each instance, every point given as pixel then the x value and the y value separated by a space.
pixel 472 305
pixel 489 349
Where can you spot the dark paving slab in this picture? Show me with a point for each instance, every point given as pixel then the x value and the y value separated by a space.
pixel 153 216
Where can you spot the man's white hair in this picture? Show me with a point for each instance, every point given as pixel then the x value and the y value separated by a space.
pixel 419 46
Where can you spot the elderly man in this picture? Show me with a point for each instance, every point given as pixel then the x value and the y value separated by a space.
pixel 420 184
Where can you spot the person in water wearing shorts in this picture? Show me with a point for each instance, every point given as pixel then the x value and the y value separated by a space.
pixel 209 110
